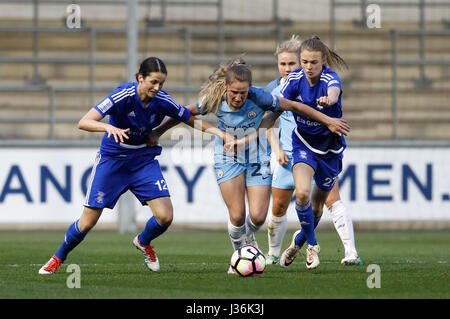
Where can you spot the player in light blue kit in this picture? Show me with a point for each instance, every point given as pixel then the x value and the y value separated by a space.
pixel 288 60
pixel 316 152
pixel 240 108
pixel 125 160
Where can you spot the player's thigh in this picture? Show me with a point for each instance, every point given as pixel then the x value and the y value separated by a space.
pixel 281 198
pixel 233 194
pixel 258 202
pixel 162 209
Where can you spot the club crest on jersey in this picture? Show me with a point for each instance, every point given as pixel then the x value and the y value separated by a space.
pixel 100 197
pixel 251 115
pixel 219 173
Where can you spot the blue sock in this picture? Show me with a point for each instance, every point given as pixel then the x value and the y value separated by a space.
pixel 301 238
pixel 306 218
pixel 152 230
pixel 73 237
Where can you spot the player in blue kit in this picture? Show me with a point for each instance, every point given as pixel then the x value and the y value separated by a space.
pixel 316 152
pixel 240 108
pixel 126 161
pixel 288 60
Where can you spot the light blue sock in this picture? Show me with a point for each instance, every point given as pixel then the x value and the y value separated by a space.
pixel 301 238
pixel 152 230
pixel 73 237
pixel 306 218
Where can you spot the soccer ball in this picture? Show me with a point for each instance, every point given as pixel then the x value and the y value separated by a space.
pixel 248 261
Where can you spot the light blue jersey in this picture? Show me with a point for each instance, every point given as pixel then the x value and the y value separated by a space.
pixel 286 121
pixel 282 175
pixel 241 123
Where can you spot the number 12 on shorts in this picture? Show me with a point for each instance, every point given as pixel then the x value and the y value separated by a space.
pixel 161 185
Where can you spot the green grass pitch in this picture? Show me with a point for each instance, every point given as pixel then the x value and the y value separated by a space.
pixel 413 264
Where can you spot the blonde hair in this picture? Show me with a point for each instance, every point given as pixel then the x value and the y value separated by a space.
pixel 292 46
pixel 332 59
pixel 212 92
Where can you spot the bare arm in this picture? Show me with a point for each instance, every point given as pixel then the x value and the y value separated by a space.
pixel 91 122
pixel 331 98
pixel 193 122
pixel 335 125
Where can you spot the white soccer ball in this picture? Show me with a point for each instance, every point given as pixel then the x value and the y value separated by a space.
pixel 248 261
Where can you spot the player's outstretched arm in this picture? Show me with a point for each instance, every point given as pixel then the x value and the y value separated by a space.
pixel 331 98
pixel 91 122
pixel 335 125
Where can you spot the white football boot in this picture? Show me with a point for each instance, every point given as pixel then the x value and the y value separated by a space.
pixel 312 256
pixel 151 260
pixel 289 255
pixel 351 260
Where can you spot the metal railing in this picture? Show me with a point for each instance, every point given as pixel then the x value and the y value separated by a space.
pixel 421 62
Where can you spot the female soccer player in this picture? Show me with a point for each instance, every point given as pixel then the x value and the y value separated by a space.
pixel 288 60
pixel 240 108
pixel 317 152
pixel 125 162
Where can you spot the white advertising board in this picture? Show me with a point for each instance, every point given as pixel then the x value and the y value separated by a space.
pixel 39 185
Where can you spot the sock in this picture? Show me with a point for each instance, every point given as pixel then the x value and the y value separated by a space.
pixel 301 237
pixel 237 235
pixel 73 237
pixel 306 218
pixel 276 229
pixel 344 227
pixel 250 227
pixel 152 230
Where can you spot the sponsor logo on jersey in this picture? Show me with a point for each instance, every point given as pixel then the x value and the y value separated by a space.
pixel 303 155
pixel 105 105
pixel 132 114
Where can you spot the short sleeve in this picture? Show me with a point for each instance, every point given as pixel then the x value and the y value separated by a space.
pixel 107 105
pixel 263 99
pixel 173 109
pixel 290 90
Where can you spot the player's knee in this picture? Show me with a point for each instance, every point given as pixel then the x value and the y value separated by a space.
pixel 86 225
pixel 165 219
pixel 279 209
pixel 302 196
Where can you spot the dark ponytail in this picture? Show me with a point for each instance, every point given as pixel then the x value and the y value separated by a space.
pixel 150 65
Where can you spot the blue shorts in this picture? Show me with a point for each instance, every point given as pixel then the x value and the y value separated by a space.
pixel 255 173
pixel 326 167
pixel 111 177
pixel 282 177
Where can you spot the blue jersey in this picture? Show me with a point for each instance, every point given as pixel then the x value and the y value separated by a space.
pixel 314 134
pixel 245 120
pixel 126 110
pixel 286 121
